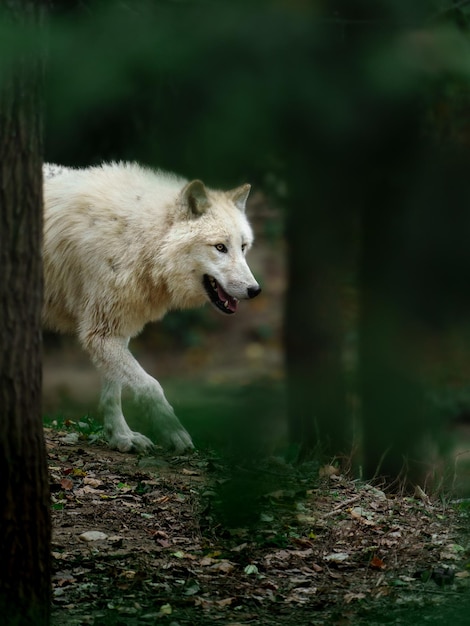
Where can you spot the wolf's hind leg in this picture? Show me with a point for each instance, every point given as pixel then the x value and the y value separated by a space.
pixel 119 435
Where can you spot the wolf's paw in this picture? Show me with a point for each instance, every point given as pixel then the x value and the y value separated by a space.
pixel 131 442
pixel 179 441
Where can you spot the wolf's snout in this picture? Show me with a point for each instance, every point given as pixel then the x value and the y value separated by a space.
pixel 254 291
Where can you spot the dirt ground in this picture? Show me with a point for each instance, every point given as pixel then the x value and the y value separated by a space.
pixel 196 540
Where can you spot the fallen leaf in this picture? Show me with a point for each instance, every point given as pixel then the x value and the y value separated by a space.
pixel 214 553
pixel 224 602
pixel 192 589
pixel 382 591
pixel 452 552
pixel 86 489
pixel 337 557
pixel 301 595
pixel 406 579
pixel 395 534
pixel 376 563
pixel 62 582
pixel 188 472
pixel 349 597
pixel 66 484
pixel 223 566
pixel 93 482
pixel 363 516
pixel 92 535
pixel 116 540
pixel 178 555
pixel 304 543
pixel 327 471
pixel 124 487
pixel 165 609
pixel 377 493
pixel 239 548
pixel 70 438
pixel 165 543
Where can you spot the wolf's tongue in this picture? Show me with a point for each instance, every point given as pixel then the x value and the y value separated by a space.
pixel 225 298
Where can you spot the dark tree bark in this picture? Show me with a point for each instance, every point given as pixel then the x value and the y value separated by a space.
pixel 24 491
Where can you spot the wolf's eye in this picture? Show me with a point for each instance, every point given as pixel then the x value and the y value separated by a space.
pixel 221 247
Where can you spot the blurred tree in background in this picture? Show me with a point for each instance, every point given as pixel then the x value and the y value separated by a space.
pixel 349 115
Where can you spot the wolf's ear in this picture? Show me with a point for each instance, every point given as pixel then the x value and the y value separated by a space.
pixel 239 196
pixel 194 198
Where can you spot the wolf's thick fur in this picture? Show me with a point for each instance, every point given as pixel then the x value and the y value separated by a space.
pixel 122 246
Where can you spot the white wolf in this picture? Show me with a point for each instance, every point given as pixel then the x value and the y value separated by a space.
pixel 122 246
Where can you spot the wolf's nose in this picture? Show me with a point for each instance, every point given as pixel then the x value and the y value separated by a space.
pixel 254 291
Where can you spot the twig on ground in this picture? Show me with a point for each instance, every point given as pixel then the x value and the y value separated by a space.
pixel 339 507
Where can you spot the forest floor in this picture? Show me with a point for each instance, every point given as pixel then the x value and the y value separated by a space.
pixel 196 540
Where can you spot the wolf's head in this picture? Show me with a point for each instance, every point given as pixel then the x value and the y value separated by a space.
pixel 214 236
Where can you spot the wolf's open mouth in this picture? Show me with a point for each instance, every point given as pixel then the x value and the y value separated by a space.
pixel 218 296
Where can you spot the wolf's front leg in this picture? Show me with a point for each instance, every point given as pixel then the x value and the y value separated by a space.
pixel 119 435
pixel 112 357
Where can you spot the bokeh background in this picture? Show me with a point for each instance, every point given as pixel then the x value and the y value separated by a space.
pixel 350 120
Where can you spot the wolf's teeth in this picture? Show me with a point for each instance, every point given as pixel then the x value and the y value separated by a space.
pixel 226 304
pixel 213 283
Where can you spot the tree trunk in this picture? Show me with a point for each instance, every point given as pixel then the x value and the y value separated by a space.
pixel 24 492
pixel 392 399
pixel 318 419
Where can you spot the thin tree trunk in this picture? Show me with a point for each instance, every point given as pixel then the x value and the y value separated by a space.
pixel 24 492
